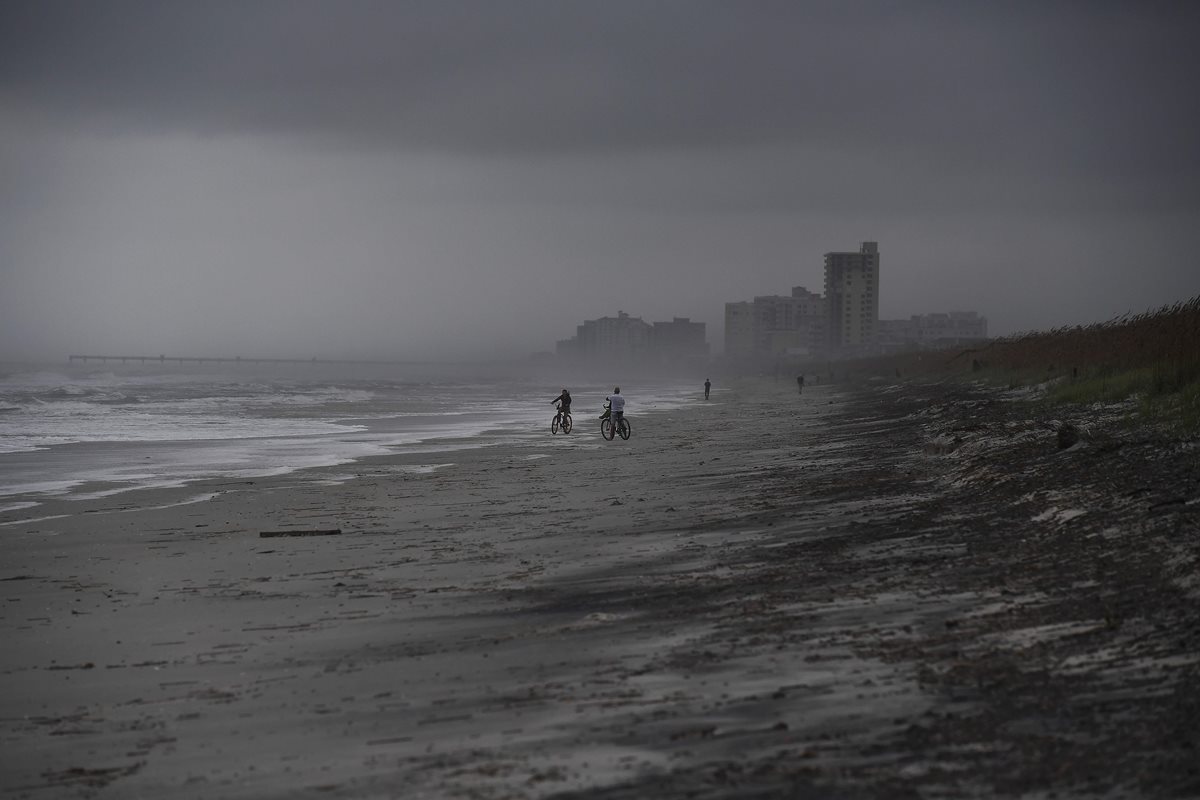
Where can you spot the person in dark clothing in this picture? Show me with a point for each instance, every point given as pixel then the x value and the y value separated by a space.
pixel 799 384
pixel 707 386
pixel 565 400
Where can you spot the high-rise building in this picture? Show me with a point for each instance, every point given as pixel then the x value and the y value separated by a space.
pixel 621 336
pixel 739 329
pixel 852 299
pixel 775 325
pixel 678 339
pixel 788 325
pixel 808 320
pixel 632 339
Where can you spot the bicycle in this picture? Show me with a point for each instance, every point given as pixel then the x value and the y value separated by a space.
pixel 609 429
pixel 562 421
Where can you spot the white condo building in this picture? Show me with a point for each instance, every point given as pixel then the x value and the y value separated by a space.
pixel 775 325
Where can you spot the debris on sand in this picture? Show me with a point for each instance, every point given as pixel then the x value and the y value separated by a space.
pixel 321 532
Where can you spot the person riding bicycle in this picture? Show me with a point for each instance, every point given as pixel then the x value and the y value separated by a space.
pixel 564 400
pixel 615 405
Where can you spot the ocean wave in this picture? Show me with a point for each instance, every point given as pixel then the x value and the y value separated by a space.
pixel 136 430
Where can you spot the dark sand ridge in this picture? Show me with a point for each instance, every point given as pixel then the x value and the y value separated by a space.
pixel 877 593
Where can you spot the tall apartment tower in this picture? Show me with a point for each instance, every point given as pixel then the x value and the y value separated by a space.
pixel 852 298
pixel 739 329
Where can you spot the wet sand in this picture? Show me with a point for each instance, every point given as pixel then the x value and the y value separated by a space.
pixel 876 592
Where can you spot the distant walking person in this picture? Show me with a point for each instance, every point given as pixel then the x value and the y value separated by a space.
pixel 707 387
pixel 799 384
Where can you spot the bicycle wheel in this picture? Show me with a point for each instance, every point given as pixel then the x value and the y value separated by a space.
pixel 567 424
pixel 606 429
pixel 624 428
pixel 554 424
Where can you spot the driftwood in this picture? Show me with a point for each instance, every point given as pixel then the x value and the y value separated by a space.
pixel 326 532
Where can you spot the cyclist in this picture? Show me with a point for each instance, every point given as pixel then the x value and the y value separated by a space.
pixel 616 405
pixel 565 400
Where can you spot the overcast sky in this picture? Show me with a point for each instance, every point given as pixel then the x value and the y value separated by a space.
pixel 463 179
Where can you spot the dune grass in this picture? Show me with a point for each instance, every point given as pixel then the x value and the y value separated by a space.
pixel 1152 358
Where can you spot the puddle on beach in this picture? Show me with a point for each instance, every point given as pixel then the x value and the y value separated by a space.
pixel 422 469
pixel 199 498
pixel 32 520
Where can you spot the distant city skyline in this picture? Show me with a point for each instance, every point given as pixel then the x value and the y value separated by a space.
pixel 842 322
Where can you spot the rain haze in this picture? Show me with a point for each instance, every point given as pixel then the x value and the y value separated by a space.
pixel 470 180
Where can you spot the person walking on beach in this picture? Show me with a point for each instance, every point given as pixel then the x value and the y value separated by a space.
pixel 799 384
pixel 707 386
pixel 565 400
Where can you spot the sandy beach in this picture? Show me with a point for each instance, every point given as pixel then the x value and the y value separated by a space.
pixel 872 592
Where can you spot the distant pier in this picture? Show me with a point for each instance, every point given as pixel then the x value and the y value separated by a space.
pixel 165 359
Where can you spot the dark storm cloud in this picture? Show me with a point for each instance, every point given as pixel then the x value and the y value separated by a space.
pixel 393 177
pixel 1074 86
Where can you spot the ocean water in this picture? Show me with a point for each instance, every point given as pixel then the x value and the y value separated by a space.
pixel 80 431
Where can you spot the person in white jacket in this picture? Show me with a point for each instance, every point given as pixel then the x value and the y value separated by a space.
pixel 616 404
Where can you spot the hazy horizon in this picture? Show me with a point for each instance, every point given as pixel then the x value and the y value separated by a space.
pixel 472 180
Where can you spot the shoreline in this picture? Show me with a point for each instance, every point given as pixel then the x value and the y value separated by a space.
pixel 76 469
pixel 859 593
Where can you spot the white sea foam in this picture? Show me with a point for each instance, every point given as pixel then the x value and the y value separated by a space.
pixel 89 434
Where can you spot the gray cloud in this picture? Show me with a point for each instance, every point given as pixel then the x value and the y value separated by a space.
pixel 1093 79
pixel 405 176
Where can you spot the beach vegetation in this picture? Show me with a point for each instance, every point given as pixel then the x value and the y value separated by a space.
pixel 1102 386
pixel 1151 360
